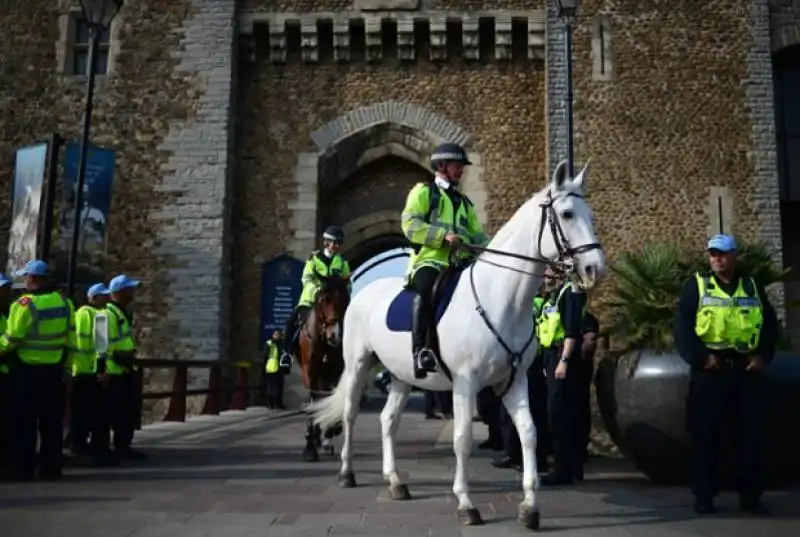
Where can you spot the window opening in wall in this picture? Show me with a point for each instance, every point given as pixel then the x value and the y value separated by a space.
pixel 325 39
pixel 602 59
pixel 294 38
pixel 389 38
pixel 486 39
pixel 455 38
pixel 422 38
pixel 519 39
pixel 358 40
pixel 81 35
pixel 786 77
pixel 602 48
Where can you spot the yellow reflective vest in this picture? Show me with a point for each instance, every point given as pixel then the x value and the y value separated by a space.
pixel 83 357
pixel 728 321
pixel 428 216
pixel 120 339
pixel 3 324
pixel 38 327
pixel 318 264
pixel 273 361
pixel 550 329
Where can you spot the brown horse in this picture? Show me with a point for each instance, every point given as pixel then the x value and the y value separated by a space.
pixel 320 354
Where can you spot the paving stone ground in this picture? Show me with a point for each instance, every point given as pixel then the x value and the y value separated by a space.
pixel 241 475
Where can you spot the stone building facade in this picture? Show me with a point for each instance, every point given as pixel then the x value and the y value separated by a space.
pixel 242 127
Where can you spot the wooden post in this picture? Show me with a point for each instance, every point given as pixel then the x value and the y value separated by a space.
pixel 211 405
pixel 177 402
pixel 239 401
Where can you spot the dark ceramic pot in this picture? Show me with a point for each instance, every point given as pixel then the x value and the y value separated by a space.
pixel 642 399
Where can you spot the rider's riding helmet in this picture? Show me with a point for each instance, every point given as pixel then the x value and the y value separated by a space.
pixel 449 152
pixel 334 233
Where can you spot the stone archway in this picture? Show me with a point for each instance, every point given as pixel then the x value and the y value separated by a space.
pixel 361 138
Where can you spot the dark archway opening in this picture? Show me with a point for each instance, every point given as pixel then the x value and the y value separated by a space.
pixel 786 79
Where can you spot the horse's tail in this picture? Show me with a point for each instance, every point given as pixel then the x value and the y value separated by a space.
pixel 329 412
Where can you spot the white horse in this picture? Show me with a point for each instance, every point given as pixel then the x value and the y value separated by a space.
pixel 487 325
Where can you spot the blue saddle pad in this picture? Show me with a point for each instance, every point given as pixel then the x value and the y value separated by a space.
pixel 398 317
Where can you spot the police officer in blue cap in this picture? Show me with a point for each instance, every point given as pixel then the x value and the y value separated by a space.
pixel 726 330
pixel 37 334
pixel 5 383
pixel 121 365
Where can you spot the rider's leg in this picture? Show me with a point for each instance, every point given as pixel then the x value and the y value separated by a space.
pixel 421 311
pixel 290 336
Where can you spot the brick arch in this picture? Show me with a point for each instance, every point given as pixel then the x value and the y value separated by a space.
pixel 360 137
pixel 784 36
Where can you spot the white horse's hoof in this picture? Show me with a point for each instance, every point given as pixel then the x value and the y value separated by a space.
pixel 528 517
pixel 399 492
pixel 470 517
pixel 347 481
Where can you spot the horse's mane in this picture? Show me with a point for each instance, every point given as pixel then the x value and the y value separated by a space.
pixel 332 284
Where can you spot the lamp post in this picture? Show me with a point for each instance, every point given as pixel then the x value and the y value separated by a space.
pixel 567 11
pixel 97 15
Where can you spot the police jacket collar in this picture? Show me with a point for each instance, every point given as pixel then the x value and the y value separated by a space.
pixel 442 182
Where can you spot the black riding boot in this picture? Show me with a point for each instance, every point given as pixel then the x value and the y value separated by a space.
pixel 424 360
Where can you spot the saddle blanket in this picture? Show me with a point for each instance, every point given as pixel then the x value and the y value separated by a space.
pixel 398 316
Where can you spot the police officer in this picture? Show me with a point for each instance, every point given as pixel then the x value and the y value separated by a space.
pixel 435 217
pixel 37 333
pixel 325 262
pixel 585 370
pixel 5 384
pixel 559 331
pixel 88 405
pixel 120 366
pixel 726 330
pixel 273 374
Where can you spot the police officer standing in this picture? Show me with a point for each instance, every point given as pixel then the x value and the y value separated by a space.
pixel 560 330
pixel 5 383
pixel 37 336
pixel 120 366
pixel 88 406
pixel 726 330
pixel 273 373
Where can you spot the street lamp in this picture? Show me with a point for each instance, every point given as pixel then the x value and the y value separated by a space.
pixel 97 15
pixel 567 11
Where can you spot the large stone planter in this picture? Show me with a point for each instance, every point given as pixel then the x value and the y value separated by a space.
pixel 642 399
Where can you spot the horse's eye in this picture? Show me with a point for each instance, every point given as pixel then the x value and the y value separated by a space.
pixel 566 215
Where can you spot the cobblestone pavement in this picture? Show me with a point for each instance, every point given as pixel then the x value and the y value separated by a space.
pixel 241 475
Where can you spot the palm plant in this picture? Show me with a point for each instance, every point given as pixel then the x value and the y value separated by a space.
pixel 645 291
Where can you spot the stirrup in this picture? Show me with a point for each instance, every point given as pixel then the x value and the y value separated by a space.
pixel 426 359
pixel 285 361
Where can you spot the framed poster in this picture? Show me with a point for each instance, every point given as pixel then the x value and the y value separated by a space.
pixel 96 206
pixel 280 290
pixel 28 193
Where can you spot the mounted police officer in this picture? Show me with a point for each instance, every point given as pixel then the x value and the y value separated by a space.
pixel 726 330
pixel 436 217
pixel 325 262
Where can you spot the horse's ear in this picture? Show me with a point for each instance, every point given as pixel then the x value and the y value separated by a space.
pixel 559 176
pixel 582 178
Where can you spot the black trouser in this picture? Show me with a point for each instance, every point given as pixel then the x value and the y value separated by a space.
pixel 585 370
pixel 717 401
pixel 489 411
pixel 274 388
pixel 87 416
pixel 123 407
pixel 37 404
pixel 562 409
pixel 537 399
pixel 422 284
pixel 290 331
pixel 5 417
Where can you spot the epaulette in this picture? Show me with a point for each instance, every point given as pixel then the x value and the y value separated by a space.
pixel 24 301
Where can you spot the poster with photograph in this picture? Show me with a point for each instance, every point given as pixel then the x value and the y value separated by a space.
pixel 96 204
pixel 28 189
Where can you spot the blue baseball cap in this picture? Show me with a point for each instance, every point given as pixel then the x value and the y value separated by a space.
pixel 36 267
pixel 4 280
pixel 118 283
pixel 97 289
pixel 722 243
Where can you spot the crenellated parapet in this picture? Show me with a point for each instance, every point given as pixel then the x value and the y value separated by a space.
pixel 383 36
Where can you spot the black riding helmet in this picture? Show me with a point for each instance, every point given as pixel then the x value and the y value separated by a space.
pixel 449 152
pixel 334 233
